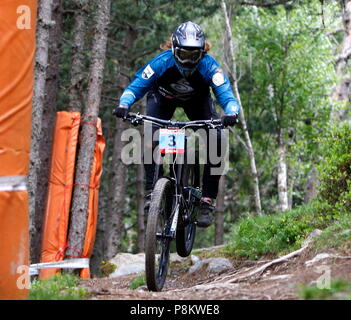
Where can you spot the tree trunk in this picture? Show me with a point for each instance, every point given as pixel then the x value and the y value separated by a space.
pixel 114 227
pixel 44 24
pixel 99 246
pixel 220 209
pixel 310 190
pixel 248 143
pixel 47 125
pixel 79 210
pixel 141 219
pixel 282 174
pixel 78 50
pixel 341 91
pixel 114 232
pixel 291 185
pixel 140 212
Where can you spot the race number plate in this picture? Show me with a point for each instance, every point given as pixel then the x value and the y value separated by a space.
pixel 171 141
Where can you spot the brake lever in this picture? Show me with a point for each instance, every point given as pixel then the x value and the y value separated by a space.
pixel 216 126
pixel 134 121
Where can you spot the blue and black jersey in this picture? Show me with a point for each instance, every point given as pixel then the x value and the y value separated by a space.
pixel 162 74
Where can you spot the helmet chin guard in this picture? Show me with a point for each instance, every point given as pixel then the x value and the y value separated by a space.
pixel 186 72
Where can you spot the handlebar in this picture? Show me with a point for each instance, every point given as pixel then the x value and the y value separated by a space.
pixel 136 119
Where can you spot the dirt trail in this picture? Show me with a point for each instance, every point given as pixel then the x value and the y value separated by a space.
pixel 278 282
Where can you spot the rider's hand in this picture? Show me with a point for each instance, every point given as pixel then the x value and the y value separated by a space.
pixel 121 111
pixel 230 120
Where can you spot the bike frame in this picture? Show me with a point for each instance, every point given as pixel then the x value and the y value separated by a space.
pixel 177 183
pixel 179 202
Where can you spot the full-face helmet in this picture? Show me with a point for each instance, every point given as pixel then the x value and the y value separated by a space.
pixel 188 43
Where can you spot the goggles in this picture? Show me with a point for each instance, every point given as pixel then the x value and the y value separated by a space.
pixel 188 56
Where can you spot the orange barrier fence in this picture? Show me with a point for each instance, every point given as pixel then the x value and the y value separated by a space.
pixel 17 50
pixel 55 231
pixel 60 188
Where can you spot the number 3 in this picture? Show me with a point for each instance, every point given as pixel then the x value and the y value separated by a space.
pixel 172 141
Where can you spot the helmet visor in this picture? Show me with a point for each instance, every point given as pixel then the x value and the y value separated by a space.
pixel 188 56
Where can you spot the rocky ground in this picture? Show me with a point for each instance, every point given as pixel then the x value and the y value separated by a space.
pixel 201 279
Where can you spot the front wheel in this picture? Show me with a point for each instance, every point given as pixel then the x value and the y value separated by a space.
pixel 186 230
pixel 157 240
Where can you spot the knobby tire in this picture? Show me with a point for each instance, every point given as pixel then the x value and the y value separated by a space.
pixel 158 222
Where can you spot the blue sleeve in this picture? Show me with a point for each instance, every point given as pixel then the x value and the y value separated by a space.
pixel 145 77
pixel 220 84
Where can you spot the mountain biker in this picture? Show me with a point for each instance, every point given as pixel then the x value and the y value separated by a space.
pixel 181 77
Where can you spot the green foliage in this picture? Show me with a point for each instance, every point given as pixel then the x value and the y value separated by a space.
pixel 336 236
pixel 277 233
pixel 283 57
pixel 339 290
pixel 139 281
pixel 204 237
pixel 274 234
pixel 151 23
pixel 335 169
pixel 285 76
pixel 58 287
pixel 107 268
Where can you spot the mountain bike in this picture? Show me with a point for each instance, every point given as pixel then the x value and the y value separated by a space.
pixel 175 199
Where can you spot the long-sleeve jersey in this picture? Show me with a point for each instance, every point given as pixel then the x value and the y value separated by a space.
pixel 162 74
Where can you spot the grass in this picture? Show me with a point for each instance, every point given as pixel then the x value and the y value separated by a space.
pixel 336 236
pixel 205 254
pixel 253 237
pixel 139 281
pixel 58 287
pixel 339 290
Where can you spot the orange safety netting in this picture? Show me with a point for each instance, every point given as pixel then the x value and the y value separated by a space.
pixel 60 188
pixel 17 50
pixel 61 185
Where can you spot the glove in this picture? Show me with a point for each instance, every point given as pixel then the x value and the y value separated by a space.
pixel 230 120
pixel 121 112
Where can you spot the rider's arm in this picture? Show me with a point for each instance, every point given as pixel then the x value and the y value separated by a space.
pixel 220 84
pixel 145 77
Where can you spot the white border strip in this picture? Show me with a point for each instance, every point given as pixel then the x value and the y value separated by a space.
pixel 13 183
pixel 78 263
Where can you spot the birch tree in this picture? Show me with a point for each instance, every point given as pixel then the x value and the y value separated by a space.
pixel 289 75
pixel 248 143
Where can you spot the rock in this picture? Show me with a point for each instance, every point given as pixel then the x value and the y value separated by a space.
pixel 219 265
pixel 318 257
pixel 194 259
pixel 128 263
pixel 278 277
pixel 212 265
pixel 315 233
pixel 174 257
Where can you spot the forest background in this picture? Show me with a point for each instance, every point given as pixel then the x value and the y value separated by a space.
pixel 287 62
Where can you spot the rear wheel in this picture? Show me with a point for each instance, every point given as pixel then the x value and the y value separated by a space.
pixel 186 230
pixel 157 242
